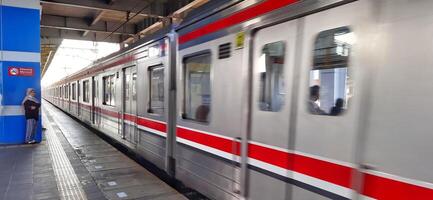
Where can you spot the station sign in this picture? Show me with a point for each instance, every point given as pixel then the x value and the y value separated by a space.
pixel 20 71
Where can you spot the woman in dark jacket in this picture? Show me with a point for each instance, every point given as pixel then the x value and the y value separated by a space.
pixel 31 108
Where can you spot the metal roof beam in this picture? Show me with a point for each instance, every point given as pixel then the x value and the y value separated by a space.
pixel 110 2
pixel 98 5
pixel 97 18
pixel 81 24
pixel 94 21
pixel 51 34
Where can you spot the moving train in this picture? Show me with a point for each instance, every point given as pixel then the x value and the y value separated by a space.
pixel 274 99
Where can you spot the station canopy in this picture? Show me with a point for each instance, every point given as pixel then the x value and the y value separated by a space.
pixel 109 21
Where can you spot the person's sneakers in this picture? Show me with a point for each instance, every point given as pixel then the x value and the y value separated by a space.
pixel 31 142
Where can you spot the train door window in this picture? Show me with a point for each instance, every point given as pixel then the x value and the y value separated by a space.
pixel 74 91
pixel 96 95
pixel 331 86
pixel 127 89
pixel 109 90
pixel 65 88
pixel 113 90
pixel 272 86
pixel 106 84
pixel 134 86
pixel 78 91
pixel 86 92
pixel 156 89
pixel 197 87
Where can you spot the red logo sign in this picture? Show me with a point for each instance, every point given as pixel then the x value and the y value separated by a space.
pixel 20 71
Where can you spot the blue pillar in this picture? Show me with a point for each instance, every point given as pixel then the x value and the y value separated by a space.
pixel 19 64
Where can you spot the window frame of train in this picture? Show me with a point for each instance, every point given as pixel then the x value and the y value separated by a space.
pixel 151 71
pixel 86 92
pixel 111 87
pixel 187 108
pixel 330 61
pixel 272 90
pixel 74 91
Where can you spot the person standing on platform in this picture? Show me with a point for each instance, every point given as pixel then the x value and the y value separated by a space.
pixel 31 108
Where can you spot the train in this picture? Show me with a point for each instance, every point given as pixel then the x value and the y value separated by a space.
pixel 274 99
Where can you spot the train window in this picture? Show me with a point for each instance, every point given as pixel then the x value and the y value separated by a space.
pixel 197 87
pixel 271 88
pixel 330 83
pixel 156 89
pixel 109 90
pixel 86 93
pixel 74 91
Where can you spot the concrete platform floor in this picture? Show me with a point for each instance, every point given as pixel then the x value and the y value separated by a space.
pixel 74 163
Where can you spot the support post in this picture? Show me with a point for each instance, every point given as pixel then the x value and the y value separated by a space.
pixel 19 64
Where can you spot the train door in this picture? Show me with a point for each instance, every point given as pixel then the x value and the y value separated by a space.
pixel 129 124
pixel 69 96
pixel 273 62
pixel 93 114
pixel 327 102
pixel 78 98
pixel 61 97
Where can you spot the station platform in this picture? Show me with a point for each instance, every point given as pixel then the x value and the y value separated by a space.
pixel 72 162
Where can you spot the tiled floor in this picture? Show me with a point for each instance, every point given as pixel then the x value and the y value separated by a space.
pixel 74 163
pixel 26 173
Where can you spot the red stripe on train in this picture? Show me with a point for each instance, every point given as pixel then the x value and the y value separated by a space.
pixel 152 124
pixel 327 171
pixel 244 15
pixel 110 113
pixel 384 188
pixel 131 118
pixel 374 186
pixel 222 144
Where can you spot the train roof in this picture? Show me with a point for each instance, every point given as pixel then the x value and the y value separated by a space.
pixel 210 8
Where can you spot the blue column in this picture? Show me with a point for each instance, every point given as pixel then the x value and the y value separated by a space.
pixel 19 64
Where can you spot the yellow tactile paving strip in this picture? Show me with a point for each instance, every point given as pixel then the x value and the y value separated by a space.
pixel 67 181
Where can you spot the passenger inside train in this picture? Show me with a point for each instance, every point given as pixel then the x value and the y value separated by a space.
pixel 338 107
pixel 313 107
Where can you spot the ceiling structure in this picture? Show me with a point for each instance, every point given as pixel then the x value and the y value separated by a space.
pixel 118 21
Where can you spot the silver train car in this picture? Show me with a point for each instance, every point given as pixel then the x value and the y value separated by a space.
pixel 275 99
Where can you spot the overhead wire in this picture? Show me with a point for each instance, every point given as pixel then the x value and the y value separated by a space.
pixel 129 19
